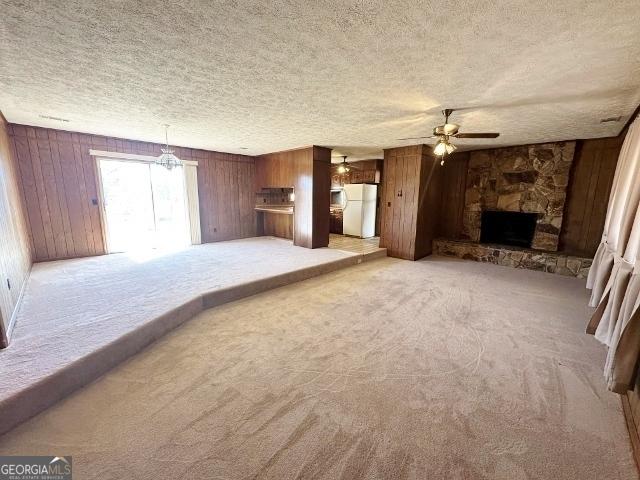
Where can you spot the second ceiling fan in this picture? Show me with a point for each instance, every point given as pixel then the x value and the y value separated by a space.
pixel 447 131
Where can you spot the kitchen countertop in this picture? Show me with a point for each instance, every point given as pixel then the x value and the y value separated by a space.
pixel 282 210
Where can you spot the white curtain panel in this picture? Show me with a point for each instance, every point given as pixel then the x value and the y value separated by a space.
pixel 192 202
pixel 623 203
pixel 620 324
pixel 615 275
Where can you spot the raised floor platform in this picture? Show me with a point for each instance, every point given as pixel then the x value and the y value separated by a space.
pixel 507 256
pixel 79 318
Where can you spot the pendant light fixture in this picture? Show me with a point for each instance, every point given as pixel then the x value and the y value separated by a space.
pixel 168 160
pixel 443 147
pixel 344 166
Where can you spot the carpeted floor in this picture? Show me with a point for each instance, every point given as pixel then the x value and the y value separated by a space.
pixel 439 369
pixel 74 307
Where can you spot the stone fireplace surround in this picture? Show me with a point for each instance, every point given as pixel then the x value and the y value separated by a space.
pixel 526 179
pixel 529 179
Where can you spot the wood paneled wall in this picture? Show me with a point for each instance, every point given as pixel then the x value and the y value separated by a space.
pixel 15 254
pixel 275 224
pixel 58 179
pixel 585 210
pixel 227 198
pixel 307 170
pixel 590 182
pixel 454 185
pixel 410 201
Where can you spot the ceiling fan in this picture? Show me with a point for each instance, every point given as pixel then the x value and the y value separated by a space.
pixel 345 167
pixel 444 132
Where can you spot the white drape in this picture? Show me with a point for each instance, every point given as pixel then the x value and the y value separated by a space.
pixel 623 201
pixel 615 274
pixel 192 202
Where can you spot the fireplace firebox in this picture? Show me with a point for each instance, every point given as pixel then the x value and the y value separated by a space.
pixel 508 228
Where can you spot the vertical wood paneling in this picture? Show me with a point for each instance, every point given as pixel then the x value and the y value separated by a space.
pixel 429 203
pixel 225 185
pixel 588 192
pixel 58 180
pixel 411 202
pixel 15 251
pixel 307 170
pixel 454 182
pixel 277 225
pixel 321 196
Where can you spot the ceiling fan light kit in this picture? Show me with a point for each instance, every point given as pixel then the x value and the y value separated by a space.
pixel 444 132
pixel 344 166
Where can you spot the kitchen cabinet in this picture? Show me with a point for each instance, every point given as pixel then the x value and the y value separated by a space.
pixel 335 221
pixel 364 171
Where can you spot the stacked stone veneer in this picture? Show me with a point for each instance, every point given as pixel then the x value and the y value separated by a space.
pixel 529 178
pixel 552 262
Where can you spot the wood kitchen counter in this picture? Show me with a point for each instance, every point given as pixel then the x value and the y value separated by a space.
pixel 276 210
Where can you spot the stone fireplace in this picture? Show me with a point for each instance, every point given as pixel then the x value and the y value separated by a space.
pixel 526 179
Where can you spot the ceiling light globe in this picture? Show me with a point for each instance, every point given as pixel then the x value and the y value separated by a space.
pixel 440 148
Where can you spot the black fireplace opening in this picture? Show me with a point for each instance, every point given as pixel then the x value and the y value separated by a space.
pixel 508 228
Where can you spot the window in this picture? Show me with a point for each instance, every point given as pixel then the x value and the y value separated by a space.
pixel 147 206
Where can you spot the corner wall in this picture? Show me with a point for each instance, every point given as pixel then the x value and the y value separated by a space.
pixel 587 194
pixel 58 179
pixel 307 170
pixel 15 254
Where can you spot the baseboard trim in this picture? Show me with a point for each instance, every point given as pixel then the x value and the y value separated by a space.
pixel 631 427
pixel 6 338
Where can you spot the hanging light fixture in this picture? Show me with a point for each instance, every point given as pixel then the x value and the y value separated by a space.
pixel 344 166
pixel 168 160
pixel 443 147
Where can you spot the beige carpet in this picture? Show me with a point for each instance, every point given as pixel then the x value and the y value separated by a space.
pixel 74 307
pixel 393 369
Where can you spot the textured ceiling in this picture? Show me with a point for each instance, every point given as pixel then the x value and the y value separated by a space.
pixel 355 75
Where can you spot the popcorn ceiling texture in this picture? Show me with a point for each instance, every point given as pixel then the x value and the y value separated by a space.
pixel 354 75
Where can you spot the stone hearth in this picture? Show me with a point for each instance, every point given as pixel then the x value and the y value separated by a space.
pixel 529 178
pixel 552 262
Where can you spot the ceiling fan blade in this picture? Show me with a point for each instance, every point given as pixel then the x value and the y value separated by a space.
pixel 476 135
pixel 415 138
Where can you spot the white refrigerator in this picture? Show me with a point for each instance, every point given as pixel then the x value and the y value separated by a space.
pixel 359 213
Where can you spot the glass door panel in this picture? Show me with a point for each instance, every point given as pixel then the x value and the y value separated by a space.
pixel 144 206
pixel 172 228
pixel 128 205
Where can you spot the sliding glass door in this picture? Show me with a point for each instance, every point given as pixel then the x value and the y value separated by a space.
pixel 144 206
